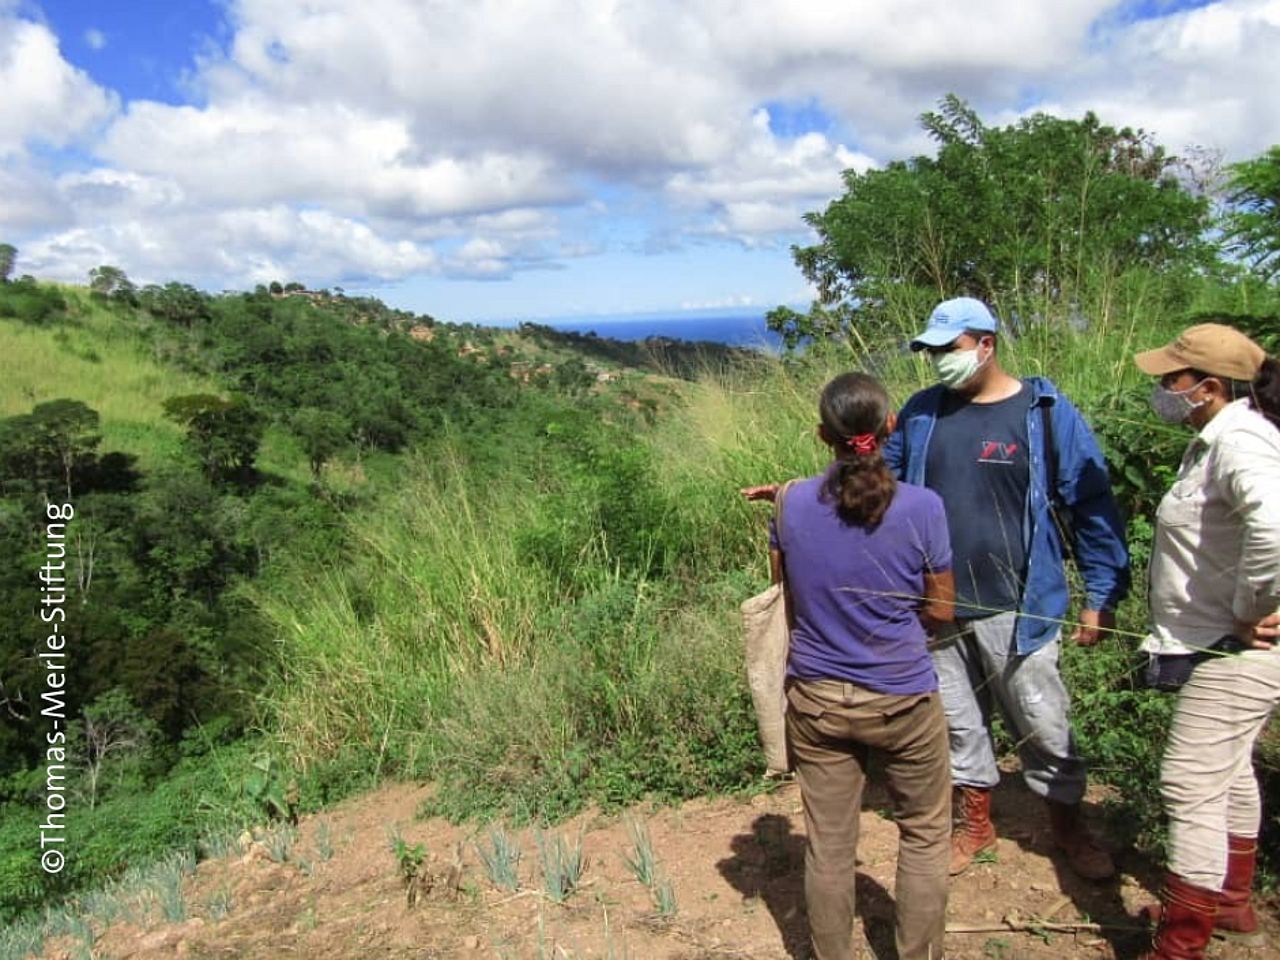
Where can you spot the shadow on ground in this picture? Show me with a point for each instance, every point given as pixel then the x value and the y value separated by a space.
pixel 767 864
pixel 1022 818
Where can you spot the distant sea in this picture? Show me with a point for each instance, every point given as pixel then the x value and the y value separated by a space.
pixel 737 331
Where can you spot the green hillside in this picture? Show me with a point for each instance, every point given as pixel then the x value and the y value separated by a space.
pixel 223 453
pixel 92 356
pixel 334 543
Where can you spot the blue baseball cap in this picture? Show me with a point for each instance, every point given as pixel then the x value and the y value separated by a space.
pixel 952 318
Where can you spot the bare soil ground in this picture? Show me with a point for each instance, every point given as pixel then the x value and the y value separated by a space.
pixel 736 869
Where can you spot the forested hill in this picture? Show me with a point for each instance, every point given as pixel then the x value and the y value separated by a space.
pixel 208 445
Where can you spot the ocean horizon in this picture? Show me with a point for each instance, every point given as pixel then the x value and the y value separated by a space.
pixel 740 330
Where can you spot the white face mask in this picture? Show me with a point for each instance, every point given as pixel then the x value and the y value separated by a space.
pixel 956 368
pixel 1172 406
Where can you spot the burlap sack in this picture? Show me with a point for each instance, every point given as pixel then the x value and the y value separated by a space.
pixel 766 628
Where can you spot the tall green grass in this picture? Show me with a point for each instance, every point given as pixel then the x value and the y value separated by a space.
pixel 374 653
pixel 460 644
pixel 501 633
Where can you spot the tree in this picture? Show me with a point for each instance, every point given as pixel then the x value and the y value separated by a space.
pixel 190 542
pixel 112 727
pixel 56 440
pixel 8 254
pixel 223 434
pixel 821 323
pixel 322 433
pixel 1253 223
pixel 572 376
pixel 177 303
pixel 68 430
pixel 112 283
pixel 1024 212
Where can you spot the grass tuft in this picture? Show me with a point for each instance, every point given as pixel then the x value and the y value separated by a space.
pixel 501 859
pixel 640 860
pixel 562 865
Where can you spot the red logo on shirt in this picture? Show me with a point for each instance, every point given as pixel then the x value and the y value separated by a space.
pixel 995 452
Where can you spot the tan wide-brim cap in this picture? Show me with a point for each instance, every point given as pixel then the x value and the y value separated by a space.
pixel 1211 348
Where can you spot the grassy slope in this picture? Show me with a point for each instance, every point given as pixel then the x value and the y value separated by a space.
pixel 102 357
pixel 96 357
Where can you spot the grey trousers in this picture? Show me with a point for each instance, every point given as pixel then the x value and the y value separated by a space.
pixel 980 668
pixel 831 728
pixel 1206 777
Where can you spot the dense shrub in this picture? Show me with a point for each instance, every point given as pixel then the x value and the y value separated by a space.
pixel 30 302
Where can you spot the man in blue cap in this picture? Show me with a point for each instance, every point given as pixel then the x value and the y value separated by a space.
pixel 1019 471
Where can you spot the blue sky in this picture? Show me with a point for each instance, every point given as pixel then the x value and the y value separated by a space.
pixel 490 161
pixel 141 49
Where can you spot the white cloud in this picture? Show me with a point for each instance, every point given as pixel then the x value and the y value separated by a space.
pixel 629 87
pixel 480 259
pixel 95 39
pixel 498 246
pixel 480 138
pixel 251 246
pixel 252 151
pixel 108 192
pixel 45 99
pixel 597 84
pixel 767 186
pixel 1199 77
pixel 29 200
pixel 721 303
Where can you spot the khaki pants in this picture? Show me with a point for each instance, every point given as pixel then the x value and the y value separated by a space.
pixel 832 726
pixel 1206 776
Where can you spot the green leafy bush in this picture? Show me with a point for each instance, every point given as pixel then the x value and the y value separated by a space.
pixel 30 302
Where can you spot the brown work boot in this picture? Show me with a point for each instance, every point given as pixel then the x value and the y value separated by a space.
pixel 972 832
pixel 1186 921
pixel 1236 920
pixel 1085 855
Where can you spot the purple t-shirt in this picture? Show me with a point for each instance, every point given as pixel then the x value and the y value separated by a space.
pixel 856 592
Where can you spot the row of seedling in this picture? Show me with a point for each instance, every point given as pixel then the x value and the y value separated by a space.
pixel 150 892
pixel 562 864
pixel 141 894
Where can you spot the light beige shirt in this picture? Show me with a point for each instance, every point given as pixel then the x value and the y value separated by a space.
pixel 1216 556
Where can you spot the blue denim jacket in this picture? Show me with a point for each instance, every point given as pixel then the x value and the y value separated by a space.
pixel 1083 491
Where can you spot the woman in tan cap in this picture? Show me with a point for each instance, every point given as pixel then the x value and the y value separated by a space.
pixel 1214 594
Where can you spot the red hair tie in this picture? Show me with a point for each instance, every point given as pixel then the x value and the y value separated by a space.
pixel 863 443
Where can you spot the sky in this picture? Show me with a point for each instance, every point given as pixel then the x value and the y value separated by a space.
pixel 496 160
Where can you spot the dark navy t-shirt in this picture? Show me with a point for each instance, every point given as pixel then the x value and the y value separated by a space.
pixel 977 462
pixel 856 593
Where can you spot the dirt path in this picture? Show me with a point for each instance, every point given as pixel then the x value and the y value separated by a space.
pixel 735 868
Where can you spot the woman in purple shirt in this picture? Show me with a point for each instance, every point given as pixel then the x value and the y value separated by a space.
pixel 867 563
